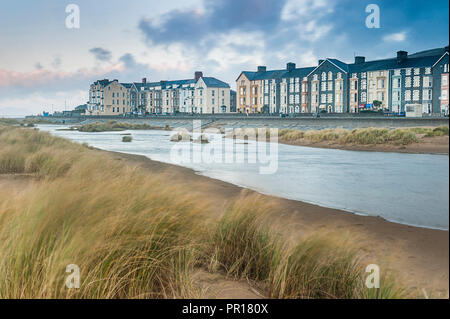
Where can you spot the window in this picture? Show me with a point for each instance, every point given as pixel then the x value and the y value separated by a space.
pixel 427 94
pixel 324 76
pixel 427 70
pixel 363 84
pixel 417 71
pixel 395 96
pixel 330 75
pixel 427 81
pixel 408 71
pixel 444 95
pixel 444 79
pixel 408 82
pixel 323 98
pixel 407 95
pixel 416 96
pixel 397 83
pixel 324 86
pixel 363 75
pixel 397 72
pixel 363 97
pixel 416 81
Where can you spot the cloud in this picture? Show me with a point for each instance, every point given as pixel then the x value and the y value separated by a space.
pixel 395 37
pixel 57 61
pixel 225 36
pixel 191 25
pixel 297 9
pixel 101 54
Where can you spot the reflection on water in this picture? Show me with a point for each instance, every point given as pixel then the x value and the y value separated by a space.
pixel 405 188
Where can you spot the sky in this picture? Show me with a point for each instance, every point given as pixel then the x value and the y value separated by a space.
pixel 46 66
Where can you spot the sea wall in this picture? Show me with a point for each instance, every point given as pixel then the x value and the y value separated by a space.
pixel 236 121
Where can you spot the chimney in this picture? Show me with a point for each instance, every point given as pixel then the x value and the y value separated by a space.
pixel 359 59
pixel 144 80
pixel 402 56
pixel 321 61
pixel 290 66
pixel 262 69
pixel 198 75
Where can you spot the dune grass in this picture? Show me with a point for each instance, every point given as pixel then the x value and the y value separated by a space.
pixel 365 136
pixel 317 266
pixel 111 126
pixel 136 235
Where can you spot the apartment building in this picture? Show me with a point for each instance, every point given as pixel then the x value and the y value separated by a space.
pixel 108 98
pixel 334 86
pixel 203 95
pixel 211 96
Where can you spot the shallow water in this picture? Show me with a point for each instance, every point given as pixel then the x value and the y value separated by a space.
pixel 405 188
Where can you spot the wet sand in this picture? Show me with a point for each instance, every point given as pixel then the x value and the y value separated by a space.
pixel 419 256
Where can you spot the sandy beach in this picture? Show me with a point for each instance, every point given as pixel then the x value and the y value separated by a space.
pixel 418 256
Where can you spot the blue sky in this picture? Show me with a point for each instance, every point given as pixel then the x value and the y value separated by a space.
pixel 44 65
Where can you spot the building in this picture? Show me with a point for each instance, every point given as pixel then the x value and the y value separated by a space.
pixel 108 98
pixel 211 96
pixel 334 86
pixel 203 95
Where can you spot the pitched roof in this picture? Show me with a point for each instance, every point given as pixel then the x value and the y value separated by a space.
pixel 390 64
pixel 104 82
pixel 278 74
pixel 213 82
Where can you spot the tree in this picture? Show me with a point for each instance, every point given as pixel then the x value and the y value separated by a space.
pixel 377 103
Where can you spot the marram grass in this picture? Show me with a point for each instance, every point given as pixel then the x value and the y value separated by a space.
pixel 317 266
pixel 363 136
pixel 136 235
